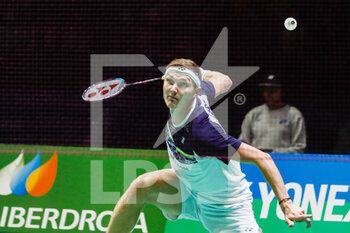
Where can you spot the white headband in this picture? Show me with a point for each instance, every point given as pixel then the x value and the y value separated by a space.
pixel 184 70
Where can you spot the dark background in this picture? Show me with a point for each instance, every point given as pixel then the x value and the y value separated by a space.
pixel 45 49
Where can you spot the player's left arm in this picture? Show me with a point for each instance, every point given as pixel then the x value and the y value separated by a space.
pixel 272 175
pixel 221 82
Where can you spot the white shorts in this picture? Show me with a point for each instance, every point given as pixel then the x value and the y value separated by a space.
pixel 218 218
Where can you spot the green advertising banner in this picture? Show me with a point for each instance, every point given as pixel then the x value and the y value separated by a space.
pixel 76 191
pixel 86 187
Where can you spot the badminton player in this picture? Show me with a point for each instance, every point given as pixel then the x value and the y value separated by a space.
pixel 205 182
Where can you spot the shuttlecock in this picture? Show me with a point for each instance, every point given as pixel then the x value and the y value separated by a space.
pixel 290 24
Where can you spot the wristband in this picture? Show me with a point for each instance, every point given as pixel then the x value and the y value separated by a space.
pixel 284 200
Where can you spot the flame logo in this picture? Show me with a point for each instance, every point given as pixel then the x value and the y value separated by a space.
pixel 31 178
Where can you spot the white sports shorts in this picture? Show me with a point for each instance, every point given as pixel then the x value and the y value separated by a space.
pixel 218 218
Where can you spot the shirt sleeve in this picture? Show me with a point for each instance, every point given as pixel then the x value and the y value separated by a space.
pixel 212 140
pixel 208 89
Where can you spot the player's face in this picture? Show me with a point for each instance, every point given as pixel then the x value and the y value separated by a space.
pixel 178 90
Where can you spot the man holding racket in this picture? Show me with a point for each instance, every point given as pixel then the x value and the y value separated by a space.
pixel 204 184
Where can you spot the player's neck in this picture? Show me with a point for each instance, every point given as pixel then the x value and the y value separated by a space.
pixel 180 115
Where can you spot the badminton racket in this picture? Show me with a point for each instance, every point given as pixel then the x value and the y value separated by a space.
pixel 109 88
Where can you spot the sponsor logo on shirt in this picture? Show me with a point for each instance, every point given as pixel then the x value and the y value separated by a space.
pixel 284 121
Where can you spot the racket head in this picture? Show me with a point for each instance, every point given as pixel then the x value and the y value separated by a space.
pixel 104 90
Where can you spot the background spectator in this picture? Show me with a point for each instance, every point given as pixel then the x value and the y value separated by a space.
pixel 274 126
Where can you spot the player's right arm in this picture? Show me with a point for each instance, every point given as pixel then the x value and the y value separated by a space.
pixel 221 82
pixel 272 175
